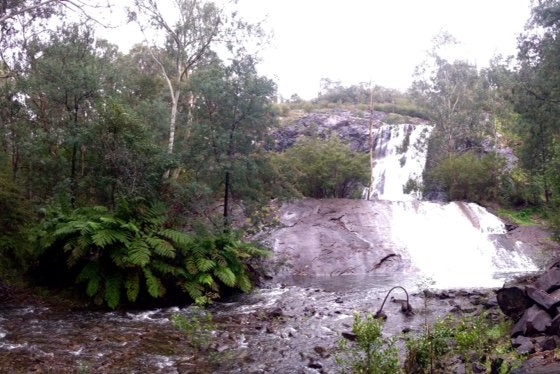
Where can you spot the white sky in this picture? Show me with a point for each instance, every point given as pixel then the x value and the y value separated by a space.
pixel 381 41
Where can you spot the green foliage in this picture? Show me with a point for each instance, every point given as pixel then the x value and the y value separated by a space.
pixel 325 169
pixel 371 353
pixel 15 213
pixel 522 217
pixel 477 338
pixel 131 256
pixel 469 177
pixel 214 261
pixel 426 352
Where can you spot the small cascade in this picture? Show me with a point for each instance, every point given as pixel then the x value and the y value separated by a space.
pixel 400 157
pixel 452 245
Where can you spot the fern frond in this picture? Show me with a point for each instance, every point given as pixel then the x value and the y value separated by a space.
pixel 204 264
pixel 153 284
pixel 138 253
pixel 178 237
pixel 226 276
pixel 90 273
pixel 132 286
pixel 161 247
pixel 130 226
pixel 77 254
pixel 113 291
pixel 66 229
pixel 106 236
pixel 194 289
pixel 244 283
pixel 191 267
pixel 205 279
pixel 156 215
pixel 166 268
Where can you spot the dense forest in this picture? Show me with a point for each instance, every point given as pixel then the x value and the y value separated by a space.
pixel 121 174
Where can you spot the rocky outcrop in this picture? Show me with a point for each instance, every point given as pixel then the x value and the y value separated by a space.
pixel 334 237
pixel 534 305
pixel 351 126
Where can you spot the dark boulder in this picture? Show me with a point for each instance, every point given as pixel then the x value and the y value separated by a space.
pixel 544 299
pixel 549 281
pixel 513 301
pixel 534 321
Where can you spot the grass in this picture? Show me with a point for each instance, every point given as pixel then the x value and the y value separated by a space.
pixel 522 217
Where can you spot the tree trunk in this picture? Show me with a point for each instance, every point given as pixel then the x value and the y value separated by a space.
pixel 226 202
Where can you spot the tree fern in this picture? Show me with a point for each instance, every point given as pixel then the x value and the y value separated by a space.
pixel 125 254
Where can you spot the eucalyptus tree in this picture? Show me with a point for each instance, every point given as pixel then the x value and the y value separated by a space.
pixel 537 96
pixel 232 115
pixel 16 8
pixel 454 94
pixel 193 31
pixel 67 74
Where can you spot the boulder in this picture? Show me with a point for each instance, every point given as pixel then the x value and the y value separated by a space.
pixel 534 321
pixel 549 280
pixel 513 301
pixel 544 299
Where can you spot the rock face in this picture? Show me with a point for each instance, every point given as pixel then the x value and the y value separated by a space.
pixel 535 308
pixel 351 126
pixel 334 237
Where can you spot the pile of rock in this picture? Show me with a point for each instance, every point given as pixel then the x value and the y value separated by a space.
pixel 535 308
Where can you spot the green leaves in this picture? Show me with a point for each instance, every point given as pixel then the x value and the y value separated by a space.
pixel 127 255
pixel 325 169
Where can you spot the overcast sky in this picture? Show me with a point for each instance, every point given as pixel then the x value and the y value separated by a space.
pixel 380 41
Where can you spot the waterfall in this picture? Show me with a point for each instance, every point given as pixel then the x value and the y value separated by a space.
pixel 453 244
pixel 400 156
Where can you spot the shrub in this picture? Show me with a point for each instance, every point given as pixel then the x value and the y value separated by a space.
pixel 325 169
pixel 371 353
pixel 131 255
pixel 470 177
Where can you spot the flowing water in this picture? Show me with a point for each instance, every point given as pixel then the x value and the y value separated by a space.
pixel 293 324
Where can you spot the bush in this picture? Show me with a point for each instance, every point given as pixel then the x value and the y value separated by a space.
pixel 325 169
pixel 132 256
pixel 371 353
pixel 470 177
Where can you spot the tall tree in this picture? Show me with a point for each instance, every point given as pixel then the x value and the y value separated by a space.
pixel 63 82
pixel 233 111
pixel 193 30
pixel 454 93
pixel 537 95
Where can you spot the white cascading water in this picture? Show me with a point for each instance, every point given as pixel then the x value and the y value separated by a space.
pixel 449 244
